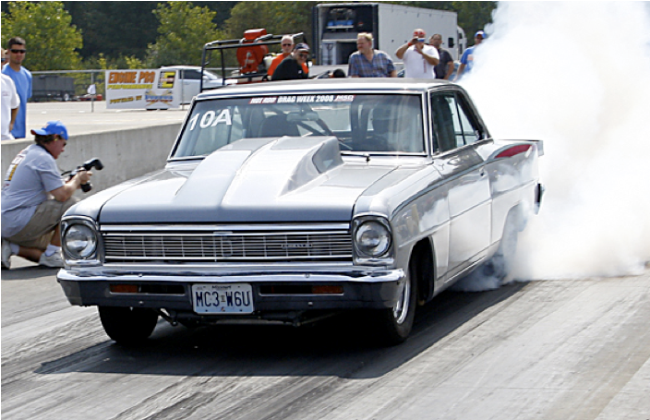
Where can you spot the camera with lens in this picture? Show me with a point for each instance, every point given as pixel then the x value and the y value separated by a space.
pixel 86 166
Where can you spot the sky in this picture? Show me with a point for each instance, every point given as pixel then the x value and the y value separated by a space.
pixel 577 76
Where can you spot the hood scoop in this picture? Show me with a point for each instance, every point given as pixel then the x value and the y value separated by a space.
pixel 264 169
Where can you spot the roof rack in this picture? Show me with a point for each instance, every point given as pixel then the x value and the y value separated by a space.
pixel 251 42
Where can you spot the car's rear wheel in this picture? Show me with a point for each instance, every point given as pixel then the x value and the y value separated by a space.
pixel 394 325
pixel 128 326
pixel 500 264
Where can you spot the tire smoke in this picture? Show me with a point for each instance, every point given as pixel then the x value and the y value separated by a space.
pixel 577 76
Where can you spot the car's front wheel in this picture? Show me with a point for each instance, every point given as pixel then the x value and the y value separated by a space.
pixel 128 326
pixel 395 324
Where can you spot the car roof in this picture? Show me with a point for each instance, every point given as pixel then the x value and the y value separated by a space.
pixel 182 67
pixel 323 85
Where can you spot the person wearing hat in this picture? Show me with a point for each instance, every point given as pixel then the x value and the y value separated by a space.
pixel 287 47
pixel 34 197
pixel 419 58
pixel 292 67
pixel 467 60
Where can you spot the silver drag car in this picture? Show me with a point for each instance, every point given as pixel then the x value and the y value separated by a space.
pixel 288 201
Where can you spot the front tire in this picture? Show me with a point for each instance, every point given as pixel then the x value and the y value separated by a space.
pixel 128 326
pixel 394 324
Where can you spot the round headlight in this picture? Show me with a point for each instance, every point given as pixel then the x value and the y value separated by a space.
pixel 372 239
pixel 80 241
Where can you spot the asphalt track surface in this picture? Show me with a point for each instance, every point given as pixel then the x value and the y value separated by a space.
pixel 561 349
pixel 557 349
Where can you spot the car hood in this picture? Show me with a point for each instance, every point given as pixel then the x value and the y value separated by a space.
pixel 287 179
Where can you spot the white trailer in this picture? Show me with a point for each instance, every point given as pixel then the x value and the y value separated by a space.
pixel 336 25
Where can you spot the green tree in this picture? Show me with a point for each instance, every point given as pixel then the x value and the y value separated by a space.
pixel 183 31
pixel 472 15
pixel 114 28
pixel 277 17
pixel 52 41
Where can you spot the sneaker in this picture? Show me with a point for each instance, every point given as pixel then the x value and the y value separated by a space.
pixel 55 260
pixel 6 255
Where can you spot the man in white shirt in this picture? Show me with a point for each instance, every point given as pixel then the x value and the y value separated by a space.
pixel 419 58
pixel 10 103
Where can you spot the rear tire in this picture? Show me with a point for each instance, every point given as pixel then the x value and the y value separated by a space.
pixel 500 264
pixel 394 324
pixel 128 326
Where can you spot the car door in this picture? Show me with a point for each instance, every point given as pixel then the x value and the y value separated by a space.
pixel 457 136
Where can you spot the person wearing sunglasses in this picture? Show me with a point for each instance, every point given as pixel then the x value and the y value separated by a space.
pixel 293 67
pixel 10 103
pixel 22 79
pixel 34 197
pixel 287 47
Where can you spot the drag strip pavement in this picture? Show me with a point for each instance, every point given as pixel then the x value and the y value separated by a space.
pixel 562 349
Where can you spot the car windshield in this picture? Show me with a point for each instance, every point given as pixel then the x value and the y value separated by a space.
pixel 363 123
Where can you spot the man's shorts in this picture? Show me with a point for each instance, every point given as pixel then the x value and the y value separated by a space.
pixel 40 228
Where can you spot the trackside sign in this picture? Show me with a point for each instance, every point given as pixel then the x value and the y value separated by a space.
pixel 142 89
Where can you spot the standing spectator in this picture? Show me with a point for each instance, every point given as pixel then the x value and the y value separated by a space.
pixel 22 80
pixel 445 67
pixel 419 58
pixel 34 197
pixel 467 60
pixel 368 62
pixel 292 67
pixel 10 103
pixel 287 47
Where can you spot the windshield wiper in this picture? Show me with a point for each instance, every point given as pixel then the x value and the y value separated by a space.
pixel 360 154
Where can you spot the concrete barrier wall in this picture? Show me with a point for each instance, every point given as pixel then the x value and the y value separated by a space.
pixel 125 154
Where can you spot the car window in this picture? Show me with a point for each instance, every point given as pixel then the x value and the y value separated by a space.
pixel 451 122
pixel 362 123
pixel 191 74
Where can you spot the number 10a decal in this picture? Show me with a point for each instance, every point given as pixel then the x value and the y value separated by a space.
pixel 210 119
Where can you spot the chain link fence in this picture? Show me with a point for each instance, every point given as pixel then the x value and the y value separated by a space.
pixel 66 85
pixel 72 85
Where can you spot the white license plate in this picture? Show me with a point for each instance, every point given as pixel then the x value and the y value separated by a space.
pixel 222 298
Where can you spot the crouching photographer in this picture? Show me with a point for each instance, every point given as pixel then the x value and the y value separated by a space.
pixel 34 197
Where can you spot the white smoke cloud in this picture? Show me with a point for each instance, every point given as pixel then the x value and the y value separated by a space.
pixel 576 75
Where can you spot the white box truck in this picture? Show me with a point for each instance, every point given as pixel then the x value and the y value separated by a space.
pixel 336 25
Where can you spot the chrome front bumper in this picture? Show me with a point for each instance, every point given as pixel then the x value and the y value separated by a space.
pixel 369 289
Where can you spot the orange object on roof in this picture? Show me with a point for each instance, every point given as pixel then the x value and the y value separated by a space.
pixel 250 58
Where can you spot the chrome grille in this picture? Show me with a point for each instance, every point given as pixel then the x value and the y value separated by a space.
pixel 219 246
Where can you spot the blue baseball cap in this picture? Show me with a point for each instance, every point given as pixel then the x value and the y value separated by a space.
pixel 301 46
pixel 52 127
pixel 481 33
